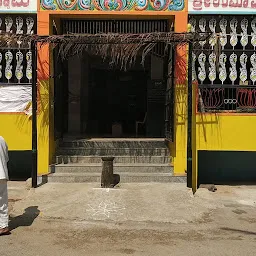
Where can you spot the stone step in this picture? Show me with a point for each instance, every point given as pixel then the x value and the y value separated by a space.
pixel 113 143
pixel 118 168
pixel 113 151
pixel 124 177
pixel 118 159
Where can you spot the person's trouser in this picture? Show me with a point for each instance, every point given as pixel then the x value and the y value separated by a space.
pixel 4 218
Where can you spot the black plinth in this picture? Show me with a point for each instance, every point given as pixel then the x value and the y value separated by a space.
pixel 107 177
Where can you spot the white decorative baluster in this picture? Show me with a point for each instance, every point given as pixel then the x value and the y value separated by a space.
pixel 222 68
pixel 194 76
pixel 202 26
pixel 253 34
pixel 213 37
pixel 1 67
pixel 19 25
pixel 201 69
pixel 8 65
pixel 233 70
pixel 192 22
pixel 212 68
pixel 29 65
pixel 19 66
pixel 223 33
pixel 243 69
pixel 8 24
pixel 30 24
pixel 244 34
pixel 233 34
pixel 253 69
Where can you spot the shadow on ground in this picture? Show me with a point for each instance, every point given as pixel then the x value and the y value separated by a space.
pixel 26 219
pixel 239 231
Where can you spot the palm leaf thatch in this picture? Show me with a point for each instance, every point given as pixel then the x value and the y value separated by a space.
pixel 121 49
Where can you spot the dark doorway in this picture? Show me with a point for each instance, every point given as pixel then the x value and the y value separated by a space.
pixel 117 100
pixel 95 99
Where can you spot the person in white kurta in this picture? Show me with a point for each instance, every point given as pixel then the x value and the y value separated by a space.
pixel 4 218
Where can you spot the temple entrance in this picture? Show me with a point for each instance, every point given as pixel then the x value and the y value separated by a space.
pixel 104 99
pixel 96 99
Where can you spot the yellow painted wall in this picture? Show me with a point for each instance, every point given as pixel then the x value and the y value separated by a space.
pixel 45 118
pixel 216 131
pixel 226 132
pixel 44 157
pixel 16 129
pixel 178 146
pixel 222 132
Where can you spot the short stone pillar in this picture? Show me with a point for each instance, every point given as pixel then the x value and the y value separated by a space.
pixel 107 177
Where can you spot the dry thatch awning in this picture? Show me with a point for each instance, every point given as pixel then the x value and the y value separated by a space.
pixel 120 48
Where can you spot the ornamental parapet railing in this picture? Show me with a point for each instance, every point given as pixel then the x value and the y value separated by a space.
pixel 224 65
pixel 16 64
pixel 226 98
pixel 16 55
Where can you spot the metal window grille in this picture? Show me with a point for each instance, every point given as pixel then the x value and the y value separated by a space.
pixel 118 26
pixel 16 58
pixel 224 66
pixel 114 26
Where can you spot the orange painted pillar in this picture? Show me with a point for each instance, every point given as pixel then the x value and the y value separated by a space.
pixel 178 147
pixel 43 75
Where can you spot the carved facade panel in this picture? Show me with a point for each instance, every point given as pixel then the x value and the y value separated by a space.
pixel 113 5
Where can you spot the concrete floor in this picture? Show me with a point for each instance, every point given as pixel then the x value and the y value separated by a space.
pixel 133 219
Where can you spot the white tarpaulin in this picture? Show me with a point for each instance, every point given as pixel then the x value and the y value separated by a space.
pixel 15 98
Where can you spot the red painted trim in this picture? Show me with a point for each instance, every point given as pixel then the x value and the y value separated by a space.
pixel 218 113
pixel 227 114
